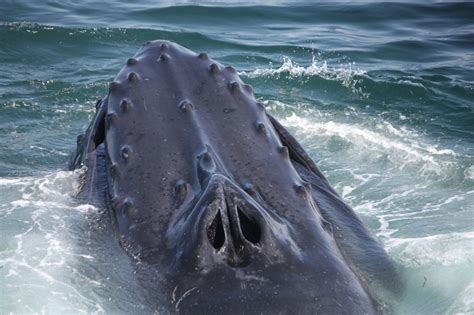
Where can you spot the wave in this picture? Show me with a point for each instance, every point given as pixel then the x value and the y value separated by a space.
pixel 209 13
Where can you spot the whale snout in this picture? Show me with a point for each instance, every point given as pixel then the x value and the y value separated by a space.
pixel 240 254
pixel 228 226
pixel 234 231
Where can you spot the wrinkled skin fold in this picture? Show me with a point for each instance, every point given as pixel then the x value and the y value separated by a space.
pixel 214 194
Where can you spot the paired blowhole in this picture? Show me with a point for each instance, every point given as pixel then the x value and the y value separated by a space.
pixel 249 228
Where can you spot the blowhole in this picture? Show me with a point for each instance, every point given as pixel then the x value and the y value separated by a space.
pixel 215 232
pixel 249 227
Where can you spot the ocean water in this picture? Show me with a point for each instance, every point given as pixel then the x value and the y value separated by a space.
pixel 381 95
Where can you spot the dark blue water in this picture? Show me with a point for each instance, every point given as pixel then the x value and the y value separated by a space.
pixel 380 94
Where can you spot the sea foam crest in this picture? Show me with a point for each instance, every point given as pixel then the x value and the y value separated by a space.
pixel 346 74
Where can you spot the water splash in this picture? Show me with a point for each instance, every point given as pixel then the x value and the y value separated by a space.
pixel 346 74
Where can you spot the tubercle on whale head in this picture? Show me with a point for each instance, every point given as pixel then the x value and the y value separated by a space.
pixel 125 105
pixel 214 68
pixel 132 61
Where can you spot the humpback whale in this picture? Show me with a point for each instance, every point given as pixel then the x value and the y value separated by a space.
pixel 208 189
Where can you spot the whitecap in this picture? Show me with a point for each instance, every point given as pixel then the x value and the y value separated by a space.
pixel 346 74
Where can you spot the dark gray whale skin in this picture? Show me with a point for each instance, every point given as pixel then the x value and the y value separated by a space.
pixel 215 195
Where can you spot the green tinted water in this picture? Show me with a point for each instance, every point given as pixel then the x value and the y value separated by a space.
pixel 380 94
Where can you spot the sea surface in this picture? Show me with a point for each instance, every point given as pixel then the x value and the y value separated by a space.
pixel 381 95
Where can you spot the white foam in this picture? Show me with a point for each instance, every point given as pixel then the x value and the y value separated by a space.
pixel 343 73
pixel 469 172
pixel 401 148
pixel 38 253
pixel 346 190
pixel 40 148
pixel 443 249
pixel 464 303
pixel 408 82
